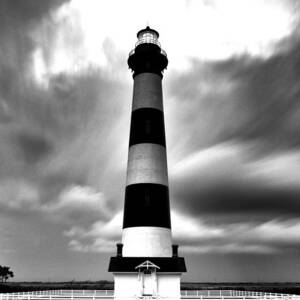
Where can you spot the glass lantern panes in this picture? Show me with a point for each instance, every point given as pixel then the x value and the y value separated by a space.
pixel 149 37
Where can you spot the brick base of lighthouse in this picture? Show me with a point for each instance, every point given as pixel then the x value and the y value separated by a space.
pixel 160 279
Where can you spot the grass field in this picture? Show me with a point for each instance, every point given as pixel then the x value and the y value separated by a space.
pixel 275 287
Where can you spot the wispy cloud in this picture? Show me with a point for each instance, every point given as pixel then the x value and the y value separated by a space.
pixel 99 237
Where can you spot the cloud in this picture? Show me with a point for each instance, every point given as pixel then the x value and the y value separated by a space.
pixel 18 196
pixel 227 180
pixel 240 159
pixel 99 237
pixel 59 130
pixel 30 11
pixel 32 148
pixel 62 159
pixel 190 229
pixel 65 134
pixel 208 29
pixel 18 19
pixel 245 97
pixel 198 236
pixel 79 205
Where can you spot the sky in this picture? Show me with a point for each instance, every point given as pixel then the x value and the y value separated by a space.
pixel 232 120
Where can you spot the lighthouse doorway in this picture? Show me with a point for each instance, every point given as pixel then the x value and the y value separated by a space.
pixel 148 279
pixel 148 284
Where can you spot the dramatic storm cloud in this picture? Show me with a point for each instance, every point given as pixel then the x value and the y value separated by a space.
pixel 59 135
pixel 232 122
pixel 238 167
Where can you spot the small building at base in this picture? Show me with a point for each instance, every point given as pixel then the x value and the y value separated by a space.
pixel 147 278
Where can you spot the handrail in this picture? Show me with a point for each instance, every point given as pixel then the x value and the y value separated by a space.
pixel 163 52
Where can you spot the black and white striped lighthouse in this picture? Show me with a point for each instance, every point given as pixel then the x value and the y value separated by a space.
pixel 147 225
pixel 146 246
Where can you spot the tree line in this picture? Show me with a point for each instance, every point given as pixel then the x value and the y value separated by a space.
pixel 5 273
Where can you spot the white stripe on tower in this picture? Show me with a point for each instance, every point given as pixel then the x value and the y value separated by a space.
pixel 147 241
pixel 147 163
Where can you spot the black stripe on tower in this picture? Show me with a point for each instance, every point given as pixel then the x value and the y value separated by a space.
pixel 147 126
pixel 147 204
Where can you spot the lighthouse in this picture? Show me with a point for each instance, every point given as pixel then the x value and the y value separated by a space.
pixel 147 264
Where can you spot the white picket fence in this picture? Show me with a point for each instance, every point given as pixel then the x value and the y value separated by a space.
pixel 108 294
pixel 59 295
pixel 234 294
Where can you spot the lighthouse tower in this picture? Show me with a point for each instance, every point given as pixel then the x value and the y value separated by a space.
pixel 147 264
